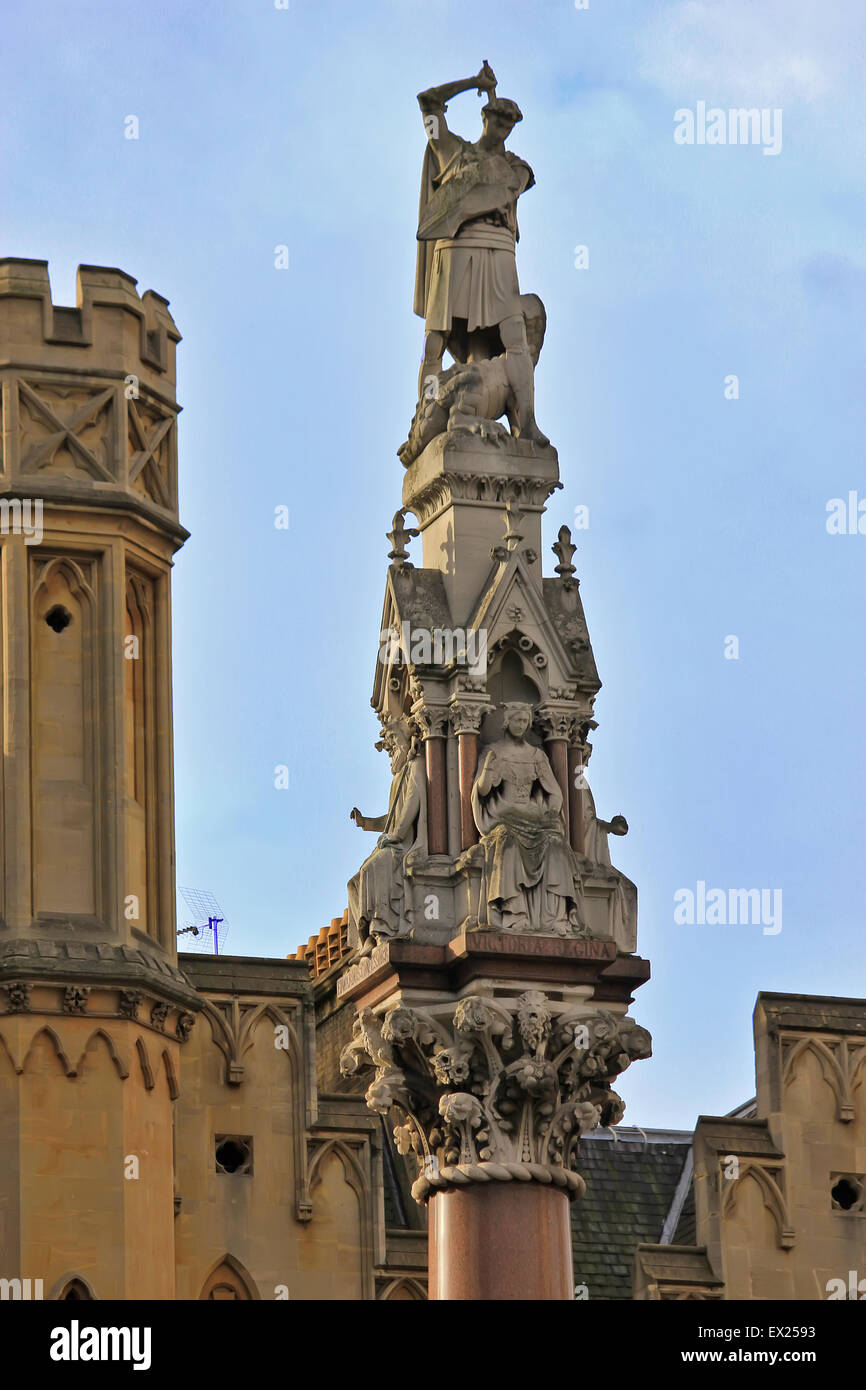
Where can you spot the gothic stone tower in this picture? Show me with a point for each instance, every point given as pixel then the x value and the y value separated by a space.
pixel 93 1010
pixel 496 940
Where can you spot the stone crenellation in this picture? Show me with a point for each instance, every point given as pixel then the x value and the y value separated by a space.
pixel 89 328
pixel 88 393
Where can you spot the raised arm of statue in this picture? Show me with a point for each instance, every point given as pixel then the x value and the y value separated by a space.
pixel 367 822
pixel 490 774
pixel 433 105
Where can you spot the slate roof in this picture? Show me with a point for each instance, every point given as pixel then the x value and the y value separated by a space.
pixel 630 1185
pixel 420 599
pixel 686 1233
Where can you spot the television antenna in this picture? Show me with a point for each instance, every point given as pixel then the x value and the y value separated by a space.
pixel 204 920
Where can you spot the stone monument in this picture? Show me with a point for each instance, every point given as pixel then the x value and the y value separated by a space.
pixel 495 940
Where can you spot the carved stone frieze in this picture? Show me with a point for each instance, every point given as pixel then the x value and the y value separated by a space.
pixel 454 486
pixel 101 1000
pixel 471 685
pixel 492 1089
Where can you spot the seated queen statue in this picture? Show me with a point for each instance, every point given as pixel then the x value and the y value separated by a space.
pixel 530 876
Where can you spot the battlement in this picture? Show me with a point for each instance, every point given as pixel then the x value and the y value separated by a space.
pixel 111 327
pixel 87 394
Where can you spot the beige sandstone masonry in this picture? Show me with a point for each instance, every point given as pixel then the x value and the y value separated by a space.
pixel 781 1198
pixel 93 1010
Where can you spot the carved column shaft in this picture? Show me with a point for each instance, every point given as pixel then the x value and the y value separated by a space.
pixel 437 795
pixel 575 797
pixel 475 1233
pixel 557 751
pixel 467 745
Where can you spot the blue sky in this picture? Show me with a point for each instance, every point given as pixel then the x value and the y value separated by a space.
pixel 262 127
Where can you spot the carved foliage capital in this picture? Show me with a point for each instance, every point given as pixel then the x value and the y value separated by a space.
pixel 555 721
pixel 494 1083
pixel 431 720
pixel 466 715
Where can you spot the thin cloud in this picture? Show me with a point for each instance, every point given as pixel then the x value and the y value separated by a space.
pixel 735 51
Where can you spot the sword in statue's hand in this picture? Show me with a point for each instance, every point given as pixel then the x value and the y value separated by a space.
pixel 488 76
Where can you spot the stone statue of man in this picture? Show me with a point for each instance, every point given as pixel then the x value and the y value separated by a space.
pixel 531 881
pixel 466 286
pixel 380 901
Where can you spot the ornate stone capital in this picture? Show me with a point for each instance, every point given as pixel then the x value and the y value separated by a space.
pixel 492 1089
pixel 431 720
pixel 466 715
pixel 555 721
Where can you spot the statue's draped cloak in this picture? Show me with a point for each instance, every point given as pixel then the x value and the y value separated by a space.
pixel 378 890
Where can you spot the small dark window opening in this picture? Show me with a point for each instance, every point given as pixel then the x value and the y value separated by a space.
pixel 233 1154
pixel 845 1194
pixel 76 1291
pixel 58 618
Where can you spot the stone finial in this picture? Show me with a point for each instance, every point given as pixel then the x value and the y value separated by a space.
pixel 398 536
pixel 563 548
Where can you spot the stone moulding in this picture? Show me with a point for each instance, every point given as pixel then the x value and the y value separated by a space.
pixel 528 493
pixel 840 1060
pixel 459 1175
pixel 58 998
pixel 460 468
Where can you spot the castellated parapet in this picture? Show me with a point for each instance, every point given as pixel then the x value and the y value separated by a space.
pixel 88 403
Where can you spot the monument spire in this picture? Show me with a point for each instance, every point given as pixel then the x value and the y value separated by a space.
pixel 497 941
